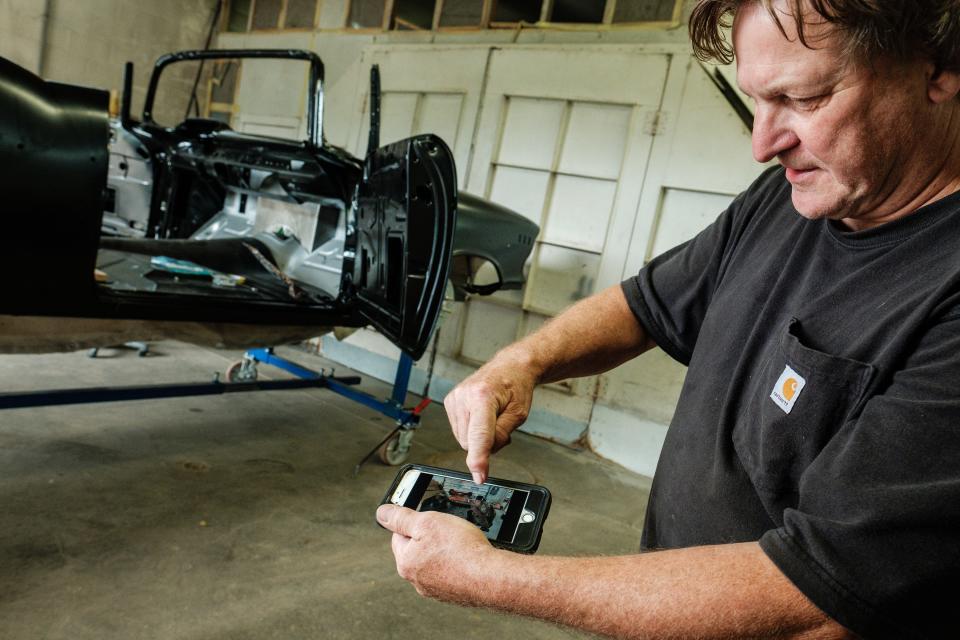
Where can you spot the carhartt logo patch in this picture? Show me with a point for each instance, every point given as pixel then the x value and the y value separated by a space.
pixel 787 389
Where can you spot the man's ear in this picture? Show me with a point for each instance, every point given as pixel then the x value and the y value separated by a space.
pixel 943 86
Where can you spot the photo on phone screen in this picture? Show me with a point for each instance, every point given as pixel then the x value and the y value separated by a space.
pixel 495 509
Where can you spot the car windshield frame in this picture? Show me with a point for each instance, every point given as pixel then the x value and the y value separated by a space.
pixel 314 95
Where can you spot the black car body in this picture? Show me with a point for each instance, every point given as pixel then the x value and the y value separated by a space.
pixel 384 227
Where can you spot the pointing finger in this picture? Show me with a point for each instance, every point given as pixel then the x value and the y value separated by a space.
pixel 480 432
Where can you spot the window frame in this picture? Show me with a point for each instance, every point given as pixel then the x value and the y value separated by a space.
pixel 486 19
pixel 281 19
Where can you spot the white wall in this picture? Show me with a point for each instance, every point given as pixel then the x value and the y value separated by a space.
pixel 21 31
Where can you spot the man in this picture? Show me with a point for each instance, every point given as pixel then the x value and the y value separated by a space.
pixel 810 481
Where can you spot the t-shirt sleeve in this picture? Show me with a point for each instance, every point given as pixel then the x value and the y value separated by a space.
pixel 875 538
pixel 671 293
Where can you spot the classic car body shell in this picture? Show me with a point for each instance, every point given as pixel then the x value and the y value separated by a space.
pixel 386 224
pixel 57 134
pixel 486 231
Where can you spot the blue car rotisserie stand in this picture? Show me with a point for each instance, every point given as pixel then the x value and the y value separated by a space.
pixel 241 378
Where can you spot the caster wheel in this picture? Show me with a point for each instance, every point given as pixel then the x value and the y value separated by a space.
pixel 242 371
pixel 392 453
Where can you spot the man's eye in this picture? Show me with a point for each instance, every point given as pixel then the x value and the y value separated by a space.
pixel 808 102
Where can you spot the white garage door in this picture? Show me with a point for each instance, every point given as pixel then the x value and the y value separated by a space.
pixel 563 138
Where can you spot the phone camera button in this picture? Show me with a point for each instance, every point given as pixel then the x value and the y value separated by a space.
pixel 527 517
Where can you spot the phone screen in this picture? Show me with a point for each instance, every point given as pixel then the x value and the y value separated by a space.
pixel 494 509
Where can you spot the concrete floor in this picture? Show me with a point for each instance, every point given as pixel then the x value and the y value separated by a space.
pixel 239 516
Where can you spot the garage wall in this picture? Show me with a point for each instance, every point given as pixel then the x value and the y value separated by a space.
pixel 87 42
pixel 21 31
pixel 674 155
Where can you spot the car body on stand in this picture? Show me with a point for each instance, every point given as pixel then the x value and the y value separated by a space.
pixel 214 236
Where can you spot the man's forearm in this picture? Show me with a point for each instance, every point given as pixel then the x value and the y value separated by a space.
pixel 723 591
pixel 593 336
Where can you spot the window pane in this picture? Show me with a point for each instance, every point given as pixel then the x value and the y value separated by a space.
pixel 266 14
pixel 643 10
pixel 523 190
pixel 239 15
pixel 517 11
pixel 413 14
pixel 366 14
pixel 461 13
pixel 578 11
pixel 596 140
pixel 530 132
pixel 300 14
pixel 579 212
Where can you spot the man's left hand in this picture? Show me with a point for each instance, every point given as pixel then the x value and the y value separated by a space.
pixel 439 554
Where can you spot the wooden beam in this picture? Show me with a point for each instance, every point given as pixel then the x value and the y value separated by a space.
pixel 608 11
pixel 388 15
pixel 486 14
pixel 546 11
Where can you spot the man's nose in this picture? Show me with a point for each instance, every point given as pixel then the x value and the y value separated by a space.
pixel 772 134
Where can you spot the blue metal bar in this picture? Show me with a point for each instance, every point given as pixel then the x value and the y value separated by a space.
pixel 305 379
pixel 392 408
pixel 402 381
pixel 91 395
pixel 386 408
pixel 266 356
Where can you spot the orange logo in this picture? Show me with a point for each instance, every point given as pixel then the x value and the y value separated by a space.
pixel 789 388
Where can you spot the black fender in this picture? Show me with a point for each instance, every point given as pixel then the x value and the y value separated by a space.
pixel 53 172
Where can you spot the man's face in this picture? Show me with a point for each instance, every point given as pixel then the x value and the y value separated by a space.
pixel 850 136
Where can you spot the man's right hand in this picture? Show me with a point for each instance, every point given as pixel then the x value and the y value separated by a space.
pixel 485 408
pixel 592 336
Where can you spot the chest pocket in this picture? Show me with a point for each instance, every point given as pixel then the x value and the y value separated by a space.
pixel 776 446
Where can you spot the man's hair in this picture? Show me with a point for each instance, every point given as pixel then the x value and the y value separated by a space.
pixel 900 30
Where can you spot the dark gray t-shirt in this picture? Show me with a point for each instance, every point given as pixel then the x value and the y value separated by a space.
pixel 820 414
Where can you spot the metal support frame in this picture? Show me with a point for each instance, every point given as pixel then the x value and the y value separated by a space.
pixel 407 419
pixel 392 408
pixel 393 448
pixel 91 395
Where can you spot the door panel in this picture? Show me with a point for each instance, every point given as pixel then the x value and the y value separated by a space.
pixel 400 239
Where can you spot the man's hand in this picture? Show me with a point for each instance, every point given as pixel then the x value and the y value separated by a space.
pixel 591 337
pixel 485 408
pixel 439 554
pixel 721 592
